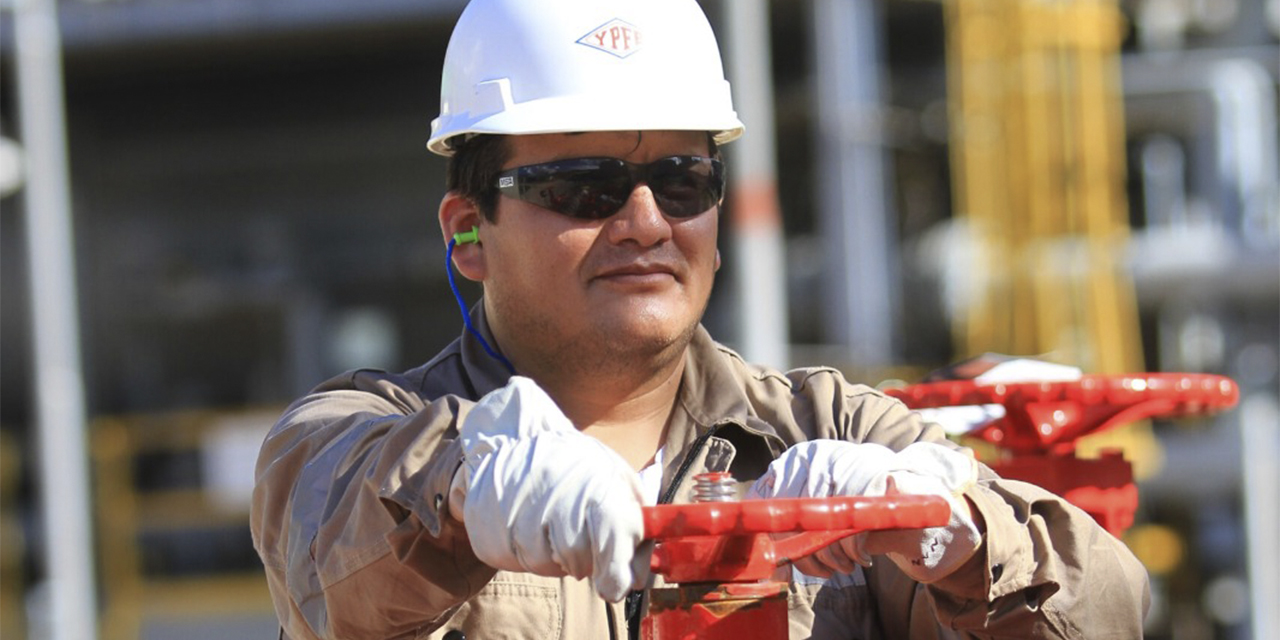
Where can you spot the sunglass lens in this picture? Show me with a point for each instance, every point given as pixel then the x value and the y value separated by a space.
pixel 583 188
pixel 686 186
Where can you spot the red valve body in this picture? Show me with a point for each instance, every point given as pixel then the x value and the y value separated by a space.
pixel 1102 487
pixel 730 611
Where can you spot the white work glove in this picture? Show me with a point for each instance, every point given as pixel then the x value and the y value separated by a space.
pixel 538 496
pixel 824 468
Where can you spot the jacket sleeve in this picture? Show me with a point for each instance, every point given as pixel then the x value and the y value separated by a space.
pixel 349 513
pixel 1045 569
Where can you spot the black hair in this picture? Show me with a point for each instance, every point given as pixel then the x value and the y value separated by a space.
pixel 473 169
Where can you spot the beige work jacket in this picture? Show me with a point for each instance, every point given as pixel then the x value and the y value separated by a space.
pixel 350 520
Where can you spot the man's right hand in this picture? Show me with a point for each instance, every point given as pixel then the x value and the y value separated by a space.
pixel 538 496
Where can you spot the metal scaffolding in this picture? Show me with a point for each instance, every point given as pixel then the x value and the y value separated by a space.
pixel 63 461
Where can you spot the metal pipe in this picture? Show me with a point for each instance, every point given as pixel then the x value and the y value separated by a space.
pixel 1259 421
pixel 60 411
pixel 856 210
pixel 1242 92
pixel 1164 186
pixel 759 264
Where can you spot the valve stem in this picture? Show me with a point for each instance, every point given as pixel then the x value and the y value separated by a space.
pixel 714 486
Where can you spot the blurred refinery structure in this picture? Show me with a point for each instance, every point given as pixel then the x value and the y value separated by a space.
pixel 1091 181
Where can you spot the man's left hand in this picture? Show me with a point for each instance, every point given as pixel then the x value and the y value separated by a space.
pixel 824 468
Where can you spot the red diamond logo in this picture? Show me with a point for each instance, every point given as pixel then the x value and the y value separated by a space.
pixel 616 37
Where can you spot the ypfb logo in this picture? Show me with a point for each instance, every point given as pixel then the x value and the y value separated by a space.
pixel 616 37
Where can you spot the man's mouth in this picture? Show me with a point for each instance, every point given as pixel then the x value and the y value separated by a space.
pixel 644 273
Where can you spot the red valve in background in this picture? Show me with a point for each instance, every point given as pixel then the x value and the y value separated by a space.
pixel 1044 420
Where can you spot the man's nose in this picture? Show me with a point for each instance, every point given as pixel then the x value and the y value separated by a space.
pixel 640 220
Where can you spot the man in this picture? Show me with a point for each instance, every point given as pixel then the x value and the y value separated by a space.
pixel 461 500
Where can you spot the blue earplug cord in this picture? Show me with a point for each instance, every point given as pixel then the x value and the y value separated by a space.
pixel 466 238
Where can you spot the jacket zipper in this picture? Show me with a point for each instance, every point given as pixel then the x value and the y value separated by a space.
pixel 632 607
pixel 688 462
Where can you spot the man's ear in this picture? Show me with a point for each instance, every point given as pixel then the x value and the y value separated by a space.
pixel 458 214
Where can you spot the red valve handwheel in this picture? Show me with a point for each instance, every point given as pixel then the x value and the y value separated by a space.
pixel 730 541
pixel 1048 417
pixel 1043 421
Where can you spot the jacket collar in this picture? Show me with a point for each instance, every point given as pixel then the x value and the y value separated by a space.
pixel 710 392
pixel 714 393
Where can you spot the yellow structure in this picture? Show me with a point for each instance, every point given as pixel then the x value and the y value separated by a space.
pixel 1039 163
pixel 1038 155
pixel 12 543
pixel 128 512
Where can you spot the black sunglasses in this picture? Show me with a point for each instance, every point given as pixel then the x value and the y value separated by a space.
pixel 596 188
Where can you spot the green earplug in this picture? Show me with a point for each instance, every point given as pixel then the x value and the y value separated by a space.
pixel 467 237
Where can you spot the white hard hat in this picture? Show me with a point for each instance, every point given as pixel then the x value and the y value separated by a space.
pixel 522 67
